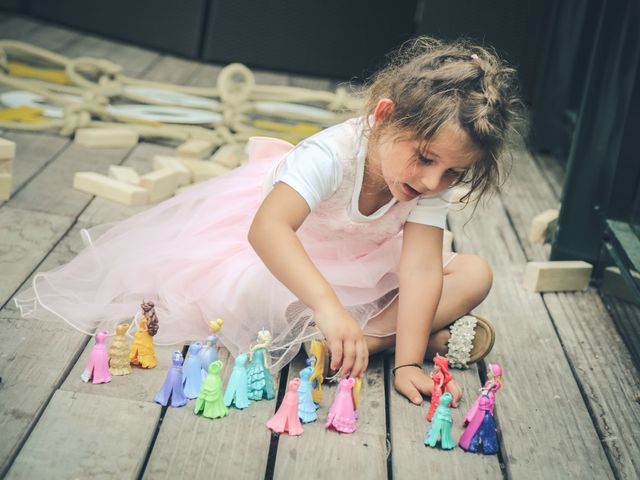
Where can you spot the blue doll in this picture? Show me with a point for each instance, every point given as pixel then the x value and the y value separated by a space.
pixel 306 406
pixel 260 381
pixel 237 386
pixel 441 423
pixel 209 351
pixel 192 372
pixel 172 386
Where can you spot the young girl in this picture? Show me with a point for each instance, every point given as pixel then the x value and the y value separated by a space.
pixel 339 237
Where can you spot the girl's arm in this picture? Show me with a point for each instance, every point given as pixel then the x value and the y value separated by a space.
pixel 272 235
pixel 420 289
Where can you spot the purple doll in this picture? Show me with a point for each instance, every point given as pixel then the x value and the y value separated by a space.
pixel 192 372
pixel 172 386
pixel 98 366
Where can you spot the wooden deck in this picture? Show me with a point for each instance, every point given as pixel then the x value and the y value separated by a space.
pixel 569 409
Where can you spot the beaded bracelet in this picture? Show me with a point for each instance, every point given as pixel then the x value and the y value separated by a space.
pixel 393 370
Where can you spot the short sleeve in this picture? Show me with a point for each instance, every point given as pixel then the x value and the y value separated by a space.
pixel 312 170
pixel 432 210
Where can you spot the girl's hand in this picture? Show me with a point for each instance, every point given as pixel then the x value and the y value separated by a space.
pixel 412 382
pixel 345 340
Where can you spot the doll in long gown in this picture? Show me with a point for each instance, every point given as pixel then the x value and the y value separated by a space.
pixel 209 351
pixel 142 352
pixel 491 387
pixel 317 353
pixel 480 435
pixel 441 377
pixel 211 399
pixel 236 393
pixel 172 387
pixel 441 425
pixel 342 414
pixel 119 363
pixel 97 370
pixel 286 419
pixel 192 372
pixel 260 380
pixel 306 406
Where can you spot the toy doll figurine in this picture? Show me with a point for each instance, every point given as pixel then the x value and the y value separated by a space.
pixel 192 372
pixel 172 387
pixel 119 352
pixel 98 366
pixel 286 418
pixel 306 406
pixel 236 393
pixel 142 352
pixel 209 351
pixel 441 425
pixel 259 376
pixel 480 434
pixel 491 386
pixel 342 415
pixel 317 377
pixel 210 400
pixel 441 377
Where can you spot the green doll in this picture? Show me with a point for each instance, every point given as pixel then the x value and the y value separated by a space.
pixel 441 425
pixel 211 398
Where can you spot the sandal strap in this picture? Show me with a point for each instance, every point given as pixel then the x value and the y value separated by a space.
pixel 460 342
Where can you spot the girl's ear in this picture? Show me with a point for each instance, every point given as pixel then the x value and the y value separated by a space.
pixel 383 111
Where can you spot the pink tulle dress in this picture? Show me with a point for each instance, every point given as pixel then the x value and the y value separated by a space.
pixel 191 257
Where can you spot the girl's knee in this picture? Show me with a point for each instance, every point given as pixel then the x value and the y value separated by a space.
pixel 478 276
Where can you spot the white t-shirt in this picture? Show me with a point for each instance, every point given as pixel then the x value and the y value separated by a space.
pixel 314 170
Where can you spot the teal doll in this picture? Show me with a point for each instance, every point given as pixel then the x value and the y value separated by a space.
pixel 210 400
pixel 441 425
pixel 260 381
pixel 237 386
pixel 306 406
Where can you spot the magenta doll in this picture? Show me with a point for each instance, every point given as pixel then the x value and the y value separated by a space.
pixel 491 386
pixel 286 418
pixel 98 367
pixel 441 378
pixel 342 414
pixel 480 435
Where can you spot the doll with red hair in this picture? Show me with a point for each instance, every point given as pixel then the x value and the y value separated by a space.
pixel 441 378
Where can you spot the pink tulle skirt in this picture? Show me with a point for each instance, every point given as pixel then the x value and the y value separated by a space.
pixel 191 256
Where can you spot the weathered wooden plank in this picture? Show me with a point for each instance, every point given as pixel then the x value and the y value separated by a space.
pixel 537 441
pixel 38 33
pixel 585 327
pixel 553 172
pixel 332 455
pixel 26 238
pixel 411 458
pixel 88 436
pixel 190 446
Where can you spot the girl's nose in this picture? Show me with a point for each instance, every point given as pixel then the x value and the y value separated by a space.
pixel 432 180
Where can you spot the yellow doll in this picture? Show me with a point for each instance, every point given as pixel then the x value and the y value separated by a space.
pixel 119 352
pixel 142 352
pixel 317 377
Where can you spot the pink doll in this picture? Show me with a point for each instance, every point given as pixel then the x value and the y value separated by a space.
pixel 342 414
pixel 98 367
pixel 286 418
pixel 441 377
pixel 491 386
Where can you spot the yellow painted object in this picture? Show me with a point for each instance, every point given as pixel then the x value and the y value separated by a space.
pixel 298 129
pixel 317 377
pixel 22 114
pixel 54 76
pixel 142 352
pixel 356 392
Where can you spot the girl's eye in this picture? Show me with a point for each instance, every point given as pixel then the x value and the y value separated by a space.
pixel 424 160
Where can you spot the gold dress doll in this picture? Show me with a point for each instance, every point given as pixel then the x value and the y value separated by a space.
pixel 142 352
pixel 119 352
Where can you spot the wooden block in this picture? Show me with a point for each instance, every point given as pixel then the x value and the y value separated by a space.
pixel 184 174
pixel 5 186
pixel 109 188
pixel 447 241
pixel 161 183
pixel 614 284
pixel 124 174
pixel 231 155
pixel 195 149
pixel 559 276
pixel 542 226
pixel 202 169
pixel 106 137
pixel 5 165
pixel 7 149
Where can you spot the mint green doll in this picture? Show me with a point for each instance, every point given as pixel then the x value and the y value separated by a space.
pixel 441 425
pixel 211 398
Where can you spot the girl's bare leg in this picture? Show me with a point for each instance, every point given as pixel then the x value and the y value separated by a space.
pixel 466 283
